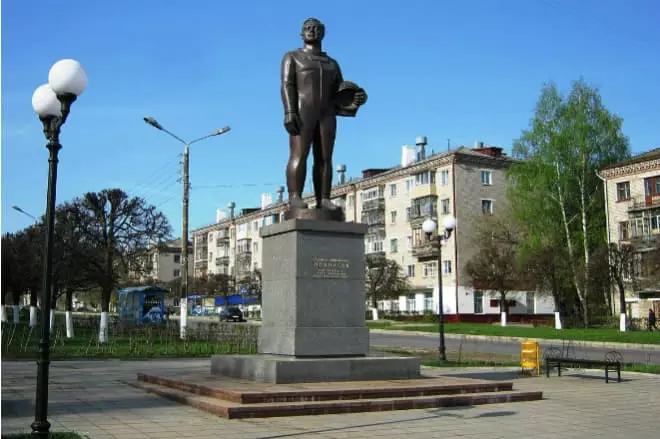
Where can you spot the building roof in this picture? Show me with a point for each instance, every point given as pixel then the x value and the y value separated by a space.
pixel 653 154
pixel 489 153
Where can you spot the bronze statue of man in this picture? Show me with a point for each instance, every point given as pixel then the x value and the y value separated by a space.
pixel 314 93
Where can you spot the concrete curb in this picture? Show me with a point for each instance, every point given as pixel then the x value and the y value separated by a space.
pixel 546 341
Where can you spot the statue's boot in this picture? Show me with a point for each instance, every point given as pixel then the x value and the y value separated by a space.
pixel 327 204
pixel 296 202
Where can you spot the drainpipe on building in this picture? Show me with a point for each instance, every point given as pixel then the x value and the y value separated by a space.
pixel 622 300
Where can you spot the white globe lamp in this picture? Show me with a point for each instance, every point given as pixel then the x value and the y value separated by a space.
pixel 67 76
pixel 429 226
pixel 449 223
pixel 45 102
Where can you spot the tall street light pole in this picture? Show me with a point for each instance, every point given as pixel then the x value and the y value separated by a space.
pixel 52 102
pixel 184 217
pixel 18 209
pixel 429 227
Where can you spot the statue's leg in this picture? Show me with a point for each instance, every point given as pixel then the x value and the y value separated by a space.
pixel 296 170
pixel 324 144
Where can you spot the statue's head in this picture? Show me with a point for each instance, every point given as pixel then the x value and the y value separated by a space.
pixel 312 31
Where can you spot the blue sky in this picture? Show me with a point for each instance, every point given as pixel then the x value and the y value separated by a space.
pixel 464 71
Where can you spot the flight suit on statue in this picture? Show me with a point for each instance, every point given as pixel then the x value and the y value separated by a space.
pixel 311 81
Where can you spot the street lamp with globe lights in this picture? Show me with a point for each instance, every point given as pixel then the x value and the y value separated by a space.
pixel 429 226
pixel 52 101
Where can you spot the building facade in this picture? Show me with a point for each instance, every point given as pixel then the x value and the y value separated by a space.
pixel 632 204
pixel 466 183
pixel 162 263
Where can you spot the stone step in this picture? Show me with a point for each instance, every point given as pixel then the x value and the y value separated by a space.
pixel 234 410
pixel 264 393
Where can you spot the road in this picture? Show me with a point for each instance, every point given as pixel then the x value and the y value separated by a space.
pixel 423 341
pixel 454 342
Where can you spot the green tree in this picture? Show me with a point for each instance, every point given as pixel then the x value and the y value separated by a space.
pixel 555 189
pixel 495 267
pixel 116 228
pixel 384 280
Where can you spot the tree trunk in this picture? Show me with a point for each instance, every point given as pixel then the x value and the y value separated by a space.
pixel 3 305
pixel 622 306
pixel 53 306
pixel 374 307
pixel 105 306
pixel 33 307
pixel 585 245
pixel 69 315
pixel 503 309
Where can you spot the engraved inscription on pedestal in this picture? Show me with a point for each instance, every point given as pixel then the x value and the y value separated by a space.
pixel 330 268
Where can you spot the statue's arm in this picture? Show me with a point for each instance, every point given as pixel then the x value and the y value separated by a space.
pixel 289 86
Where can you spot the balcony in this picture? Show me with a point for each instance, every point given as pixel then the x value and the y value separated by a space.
pixel 243 255
pixel 222 260
pixel 374 204
pixel 201 263
pixel 425 251
pixel 424 190
pixel 221 241
pixel 642 203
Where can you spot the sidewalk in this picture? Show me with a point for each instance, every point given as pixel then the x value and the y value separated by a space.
pixel 503 339
pixel 91 398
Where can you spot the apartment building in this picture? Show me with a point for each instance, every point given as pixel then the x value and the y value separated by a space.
pixel 632 203
pixel 467 183
pixel 163 262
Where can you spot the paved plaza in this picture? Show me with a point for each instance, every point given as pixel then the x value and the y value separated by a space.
pixel 92 398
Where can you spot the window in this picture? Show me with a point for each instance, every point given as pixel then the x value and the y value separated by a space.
pixel 411 271
pixel 393 190
pixel 176 273
pixel 210 256
pixel 377 246
pixel 446 267
pixel 419 237
pixel 408 210
pixel 350 200
pixel 444 206
pixel 624 231
pixel 486 178
pixel 422 178
pixel 255 226
pixel 394 245
pixel 623 191
pixel 487 207
pixel 651 186
pixel 255 247
pixel 444 178
pixel 410 302
pixel 393 217
pixel 409 242
pixel 478 302
pixel 428 301
pixel 429 269
pixel 409 185
pixel 177 259
pixel 655 222
pixel 529 302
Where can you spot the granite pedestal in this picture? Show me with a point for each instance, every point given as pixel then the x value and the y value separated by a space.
pixel 313 308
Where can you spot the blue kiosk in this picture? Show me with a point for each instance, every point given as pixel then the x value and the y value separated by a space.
pixel 143 305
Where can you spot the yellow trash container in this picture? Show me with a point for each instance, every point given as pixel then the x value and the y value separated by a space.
pixel 530 360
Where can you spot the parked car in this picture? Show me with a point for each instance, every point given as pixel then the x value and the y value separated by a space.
pixel 231 315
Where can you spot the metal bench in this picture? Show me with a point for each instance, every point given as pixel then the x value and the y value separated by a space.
pixel 612 362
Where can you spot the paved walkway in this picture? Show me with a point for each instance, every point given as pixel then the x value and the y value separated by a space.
pixel 90 397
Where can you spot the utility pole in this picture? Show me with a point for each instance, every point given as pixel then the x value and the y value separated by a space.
pixel 183 303
pixel 183 322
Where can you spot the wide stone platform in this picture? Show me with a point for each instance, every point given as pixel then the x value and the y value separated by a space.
pixel 234 399
pixel 279 369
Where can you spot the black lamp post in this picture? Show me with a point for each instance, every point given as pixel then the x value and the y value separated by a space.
pixel 429 227
pixel 52 102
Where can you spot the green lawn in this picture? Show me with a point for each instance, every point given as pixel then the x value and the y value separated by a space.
pixel 68 435
pixel 21 342
pixel 595 334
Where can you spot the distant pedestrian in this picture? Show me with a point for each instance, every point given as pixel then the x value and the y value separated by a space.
pixel 652 320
